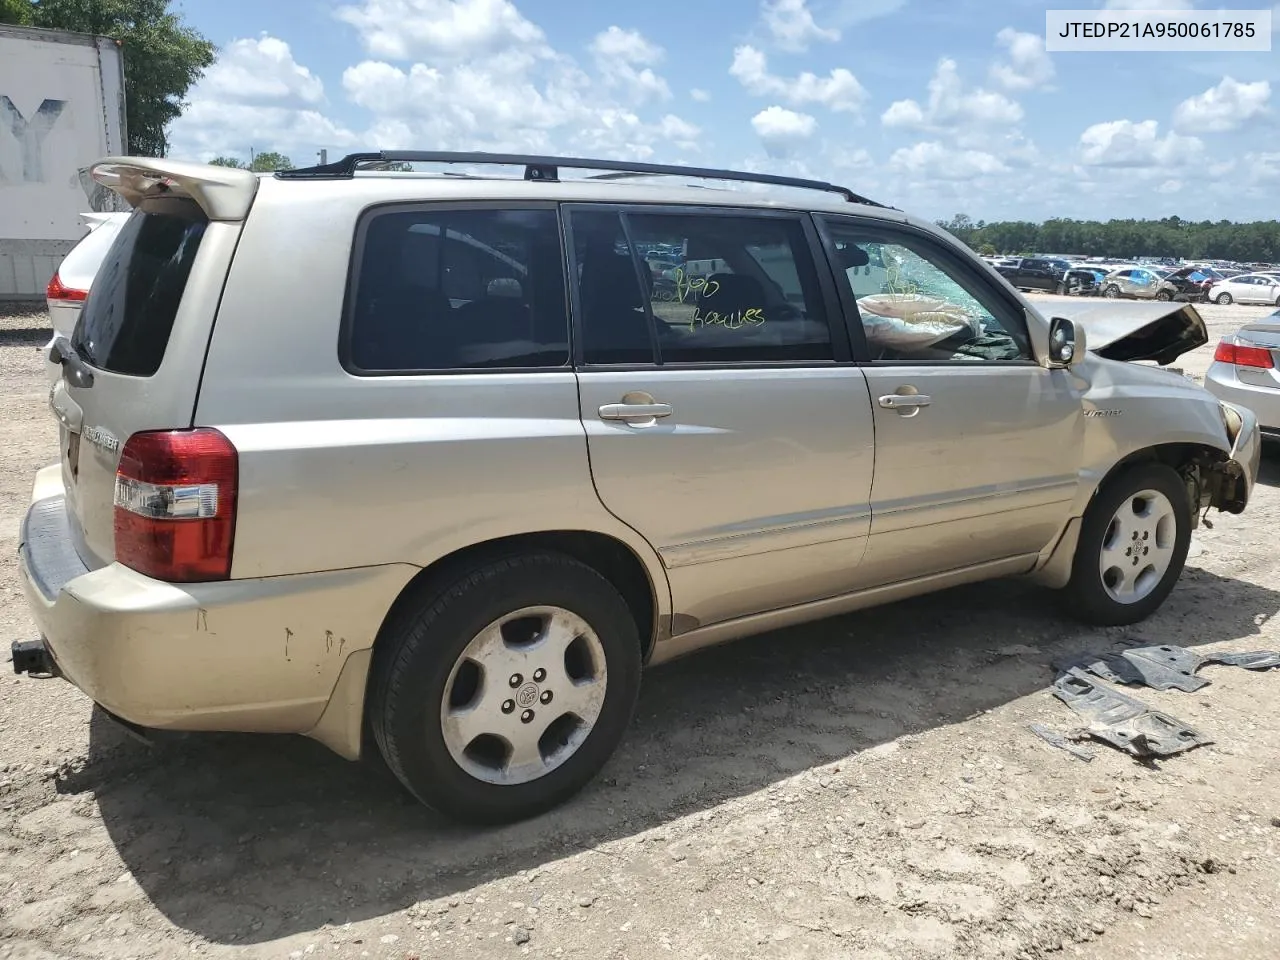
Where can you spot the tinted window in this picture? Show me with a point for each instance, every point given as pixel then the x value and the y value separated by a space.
pixel 462 289
pixel 710 288
pixel 126 321
pixel 926 303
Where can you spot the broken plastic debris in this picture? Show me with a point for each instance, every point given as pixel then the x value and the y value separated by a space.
pixel 1061 741
pixel 1164 667
pixel 1124 722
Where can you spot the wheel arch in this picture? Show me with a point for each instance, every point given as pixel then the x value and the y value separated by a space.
pixel 1191 460
pixel 610 557
pixel 344 726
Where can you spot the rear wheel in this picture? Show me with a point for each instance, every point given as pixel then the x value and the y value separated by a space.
pixel 1133 545
pixel 503 696
pixel 1223 299
pixel 1111 292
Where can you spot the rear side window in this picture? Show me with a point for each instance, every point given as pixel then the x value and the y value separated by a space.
pixel 126 320
pixel 706 288
pixel 457 290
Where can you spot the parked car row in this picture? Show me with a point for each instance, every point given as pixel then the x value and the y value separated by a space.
pixel 1192 284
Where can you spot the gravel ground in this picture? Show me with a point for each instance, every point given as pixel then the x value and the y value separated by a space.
pixel 864 787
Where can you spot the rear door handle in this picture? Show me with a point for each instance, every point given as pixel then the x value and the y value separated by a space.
pixel 635 411
pixel 903 401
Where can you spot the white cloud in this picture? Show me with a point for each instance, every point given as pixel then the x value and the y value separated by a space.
pixel 951 107
pixel 623 58
pixel 1029 66
pixel 261 70
pixel 445 29
pixel 839 90
pixel 1150 5
pixel 780 129
pixel 1263 167
pixel 681 132
pixel 931 160
pixel 544 105
pixel 1124 143
pixel 209 128
pixel 792 26
pixel 700 95
pixel 1222 108
pixel 256 96
pixel 1169 186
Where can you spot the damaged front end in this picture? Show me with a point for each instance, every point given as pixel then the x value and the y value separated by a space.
pixel 1225 482
pixel 1230 482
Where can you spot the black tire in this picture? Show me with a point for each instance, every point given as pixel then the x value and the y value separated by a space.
pixel 1222 299
pixel 1086 595
pixel 1164 296
pixel 1111 292
pixel 417 654
pixel 1060 289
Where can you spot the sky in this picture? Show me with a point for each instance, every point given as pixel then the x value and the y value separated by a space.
pixel 938 107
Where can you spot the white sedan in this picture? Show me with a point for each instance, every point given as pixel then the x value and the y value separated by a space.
pixel 1247 288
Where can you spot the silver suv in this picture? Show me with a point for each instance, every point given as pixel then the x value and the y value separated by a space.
pixel 439 463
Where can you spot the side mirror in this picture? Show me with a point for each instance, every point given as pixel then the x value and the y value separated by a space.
pixel 1066 343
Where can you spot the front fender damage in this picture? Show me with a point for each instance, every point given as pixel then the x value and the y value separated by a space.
pixel 1215 482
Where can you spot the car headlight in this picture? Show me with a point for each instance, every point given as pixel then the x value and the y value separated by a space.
pixel 1231 420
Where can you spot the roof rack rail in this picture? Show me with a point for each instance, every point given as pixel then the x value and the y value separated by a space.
pixel 548 169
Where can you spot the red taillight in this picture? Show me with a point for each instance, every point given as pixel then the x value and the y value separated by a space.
pixel 1243 356
pixel 57 290
pixel 175 504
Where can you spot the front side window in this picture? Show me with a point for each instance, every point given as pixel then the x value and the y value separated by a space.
pixel 924 303
pixel 706 288
pixel 458 289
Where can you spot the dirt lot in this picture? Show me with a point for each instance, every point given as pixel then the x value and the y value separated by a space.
pixel 865 787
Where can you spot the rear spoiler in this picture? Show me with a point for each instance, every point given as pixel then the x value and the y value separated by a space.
pixel 223 193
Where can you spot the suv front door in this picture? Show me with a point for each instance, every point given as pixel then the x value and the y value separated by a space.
pixel 977 446
pixel 725 420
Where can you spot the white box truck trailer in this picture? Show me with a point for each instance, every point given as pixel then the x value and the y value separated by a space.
pixel 61 109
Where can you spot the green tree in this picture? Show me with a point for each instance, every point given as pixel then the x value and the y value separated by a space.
pixel 16 11
pixel 162 57
pixel 228 162
pixel 269 161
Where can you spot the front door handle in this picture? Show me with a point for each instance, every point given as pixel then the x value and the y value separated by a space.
pixel 905 401
pixel 634 411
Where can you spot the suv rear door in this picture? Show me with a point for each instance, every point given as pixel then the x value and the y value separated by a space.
pixel 133 361
pixel 724 420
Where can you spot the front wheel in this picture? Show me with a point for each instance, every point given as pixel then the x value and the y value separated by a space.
pixel 1111 292
pixel 504 695
pixel 1164 296
pixel 1133 544
pixel 1223 299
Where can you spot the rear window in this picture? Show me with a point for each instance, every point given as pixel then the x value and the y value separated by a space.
pixel 125 323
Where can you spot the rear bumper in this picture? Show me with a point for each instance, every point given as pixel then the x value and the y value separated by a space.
pixel 256 655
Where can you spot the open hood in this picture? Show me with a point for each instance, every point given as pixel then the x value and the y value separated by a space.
pixel 1161 332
